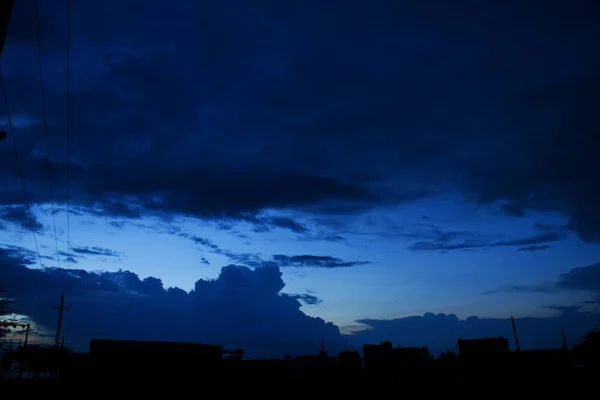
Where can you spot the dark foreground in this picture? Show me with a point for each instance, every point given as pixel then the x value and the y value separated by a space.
pixel 266 382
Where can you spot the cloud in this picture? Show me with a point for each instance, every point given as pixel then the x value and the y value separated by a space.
pixel 441 331
pixel 21 216
pixel 241 308
pixel 553 166
pixel 538 226
pixel 256 259
pixel 581 279
pixel 534 248
pixel 267 223
pixel 95 251
pixel 248 259
pixel 201 241
pixel 540 288
pixel 245 308
pixel 307 298
pixel 311 261
pixel 534 240
pixel 322 236
pixel 447 243
pixel 513 210
pixel 279 120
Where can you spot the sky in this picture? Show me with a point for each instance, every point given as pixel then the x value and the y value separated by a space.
pixel 267 174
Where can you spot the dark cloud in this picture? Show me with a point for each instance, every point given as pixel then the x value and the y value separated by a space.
pixel 441 331
pixel 314 261
pixel 296 108
pixel 266 223
pixel 513 210
pixel 534 248
pixel 95 251
pixel 534 240
pixel 256 259
pixel 554 167
pixel 541 288
pixel 581 278
pixel 322 236
pixel 447 243
pixel 21 216
pixel 283 222
pixel 248 259
pixel 245 308
pixel 201 241
pixel 241 308
pixel 538 226
pixel 25 256
pixel 333 238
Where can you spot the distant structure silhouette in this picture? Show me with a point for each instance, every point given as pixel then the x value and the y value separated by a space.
pixel 385 356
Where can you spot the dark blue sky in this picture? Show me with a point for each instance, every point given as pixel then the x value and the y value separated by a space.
pixel 359 163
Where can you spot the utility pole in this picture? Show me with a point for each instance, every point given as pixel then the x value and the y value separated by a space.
pixel 514 328
pixel 27 334
pixel 60 309
pixel 564 339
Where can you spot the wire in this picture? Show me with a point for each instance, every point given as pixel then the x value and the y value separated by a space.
pixel 68 132
pixel 45 116
pixel 18 161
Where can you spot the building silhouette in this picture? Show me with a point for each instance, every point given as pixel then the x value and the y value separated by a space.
pixel 385 356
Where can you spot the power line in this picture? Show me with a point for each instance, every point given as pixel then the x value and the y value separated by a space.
pixel 68 132
pixel 18 161
pixel 45 116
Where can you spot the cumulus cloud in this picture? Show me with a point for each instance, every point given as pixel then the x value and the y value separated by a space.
pixel 241 308
pixel 245 307
pixel 441 331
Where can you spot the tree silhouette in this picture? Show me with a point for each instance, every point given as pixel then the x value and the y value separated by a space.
pixel 588 350
pixel 447 359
